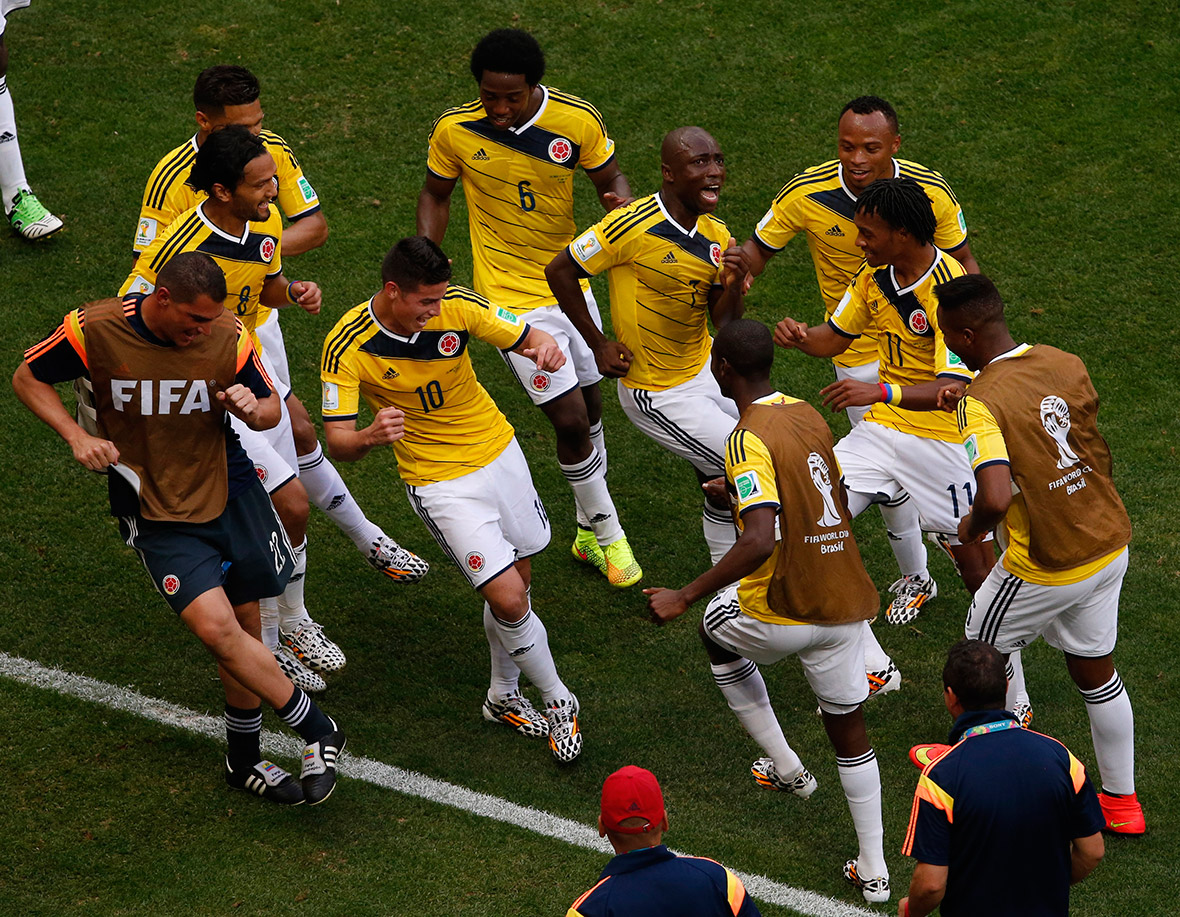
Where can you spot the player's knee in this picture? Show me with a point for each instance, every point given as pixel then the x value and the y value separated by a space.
pixel 510 608
pixel 290 502
pixel 215 627
pixel 304 434
pixel 568 416
pixel 718 655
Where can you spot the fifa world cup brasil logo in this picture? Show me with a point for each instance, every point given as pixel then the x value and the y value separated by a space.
pixel 823 483
pixel 1055 418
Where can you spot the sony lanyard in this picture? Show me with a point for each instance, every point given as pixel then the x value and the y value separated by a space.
pixel 990 727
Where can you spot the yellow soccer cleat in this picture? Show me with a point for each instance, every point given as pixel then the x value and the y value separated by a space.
pixel 586 550
pixel 621 568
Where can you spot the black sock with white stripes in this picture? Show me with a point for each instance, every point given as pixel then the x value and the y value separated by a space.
pixel 302 715
pixel 243 729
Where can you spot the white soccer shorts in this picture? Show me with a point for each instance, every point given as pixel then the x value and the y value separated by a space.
pixel 865 373
pixel 272 451
pixel 1081 618
pixel 580 368
pixel 270 336
pixel 833 655
pixel 875 459
pixel 486 520
pixel 691 419
pixel 6 7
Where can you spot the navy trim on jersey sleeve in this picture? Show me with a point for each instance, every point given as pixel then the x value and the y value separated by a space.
pixel 430 171
pixel 524 333
pixel 951 251
pixel 601 167
pixel 344 417
pixel 582 272
pixel 305 213
pixel 845 334
pixel 990 462
pixel 772 504
pixel 769 248
pixel 958 377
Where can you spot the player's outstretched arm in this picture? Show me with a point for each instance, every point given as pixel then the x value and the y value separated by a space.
pixel 728 302
pixel 304 234
pixel 612 186
pixel 42 399
pixel 613 357
pixel 540 347
pixel 434 207
pixel 993 494
pixel 814 340
pixel 348 444
pixel 278 293
pixel 749 552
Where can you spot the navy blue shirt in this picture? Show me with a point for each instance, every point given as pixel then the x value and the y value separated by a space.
pixel 999 810
pixel 654 882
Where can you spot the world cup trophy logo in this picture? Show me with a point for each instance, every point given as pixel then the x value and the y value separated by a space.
pixel 823 483
pixel 1055 419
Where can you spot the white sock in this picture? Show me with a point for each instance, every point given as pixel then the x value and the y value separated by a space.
pixel 861 779
pixel 858 502
pixel 12 169
pixel 720 532
pixel 598 438
pixel 876 659
pixel 905 537
pixel 268 612
pixel 505 672
pixel 327 490
pixel 596 509
pixel 1112 726
pixel 292 611
pixel 1017 690
pixel 745 691
pixel 527 644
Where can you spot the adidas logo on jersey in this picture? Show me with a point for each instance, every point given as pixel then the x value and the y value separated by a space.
pixel 835 231
pixel 391 373
pixel 481 155
pixel 670 258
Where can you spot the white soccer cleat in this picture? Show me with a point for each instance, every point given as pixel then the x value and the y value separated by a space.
pixel 888 679
pixel 565 738
pixel 29 218
pixel 399 564
pixel 312 648
pixel 515 710
pixel 875 890
pixel 304 679
pixel 801 785
pixel 912 593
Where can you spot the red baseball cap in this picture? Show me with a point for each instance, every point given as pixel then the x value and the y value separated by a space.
pixel 632 792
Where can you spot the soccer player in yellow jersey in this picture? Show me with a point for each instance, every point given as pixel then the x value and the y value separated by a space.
pixel 821 202
pixel 672 266
pixel 905 444
pixel 802 589
pixel 405 351
pixel 516 149
pixel 226 95
pixel 1043 474
pixel 235 225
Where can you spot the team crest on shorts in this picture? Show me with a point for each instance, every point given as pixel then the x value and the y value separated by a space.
pixel 262 473
pixel 715 254
pixel 918 321
pixel 474 561
pixel 448 344
pixel 541 381
pixel 560 150
pixel 267 249
pixel 171 584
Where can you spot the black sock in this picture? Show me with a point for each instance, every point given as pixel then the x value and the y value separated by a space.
pixel 302 715
pixel 243 729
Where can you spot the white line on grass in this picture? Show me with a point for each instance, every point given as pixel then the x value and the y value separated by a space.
pixel 388 776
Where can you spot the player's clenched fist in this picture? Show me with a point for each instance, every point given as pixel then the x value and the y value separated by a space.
pixel 239 401
pixel 790 333
pixel 94 453
pixel 387 427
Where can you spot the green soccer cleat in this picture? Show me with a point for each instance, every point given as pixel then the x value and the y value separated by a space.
pixel 29 218
pixel 586 550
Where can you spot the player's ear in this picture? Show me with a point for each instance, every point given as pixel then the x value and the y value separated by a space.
pixel 896 144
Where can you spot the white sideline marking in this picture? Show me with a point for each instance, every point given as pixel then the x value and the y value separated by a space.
pixel 390 777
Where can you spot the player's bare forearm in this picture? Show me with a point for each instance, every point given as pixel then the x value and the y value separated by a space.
pixel 348 444
pixel 963 255
pixel 727 303
pixel 566 286
pixel 279 293
pixel 993 495
pixel 541 347
pixel 434 208
pixel 927 887
pixel 928 395
pixel 1085 854
pixel 614 193
pixel 256 413
pixel 756 255
pixel 45 403
pixel 815 341
pixel 304 234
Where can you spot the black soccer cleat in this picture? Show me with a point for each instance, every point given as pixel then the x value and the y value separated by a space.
pixel 319 766
pixel 267 780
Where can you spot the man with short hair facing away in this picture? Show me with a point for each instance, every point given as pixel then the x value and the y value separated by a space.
pixel 228 95
pixel 672 266
pixel 405 351
pixel 821 202
pixel 516 149
pixel 801 589
pixel 167 367
pixel 905 445
pixel 1043 475
pixel 1005 819
pixel 645 877
pixel 236 225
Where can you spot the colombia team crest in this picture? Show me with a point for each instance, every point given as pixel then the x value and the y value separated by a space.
pixel 918 321
pixel 448 344
pixel 715 254
pixel 171 584
pixel 560 150
pixel 541 381
pixel 267 249
pixel 474 561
